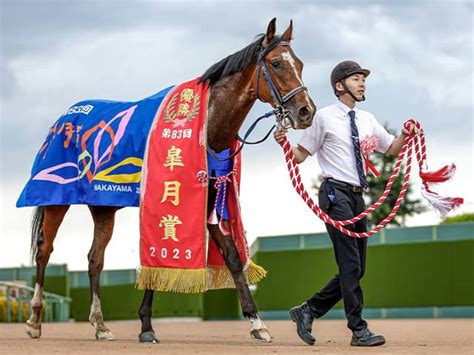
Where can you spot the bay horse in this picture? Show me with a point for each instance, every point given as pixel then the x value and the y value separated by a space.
pixel 267 70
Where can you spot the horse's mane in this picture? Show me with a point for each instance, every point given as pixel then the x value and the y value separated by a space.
pixel 235 63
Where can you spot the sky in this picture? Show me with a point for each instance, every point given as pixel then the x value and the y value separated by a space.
pixel 55 53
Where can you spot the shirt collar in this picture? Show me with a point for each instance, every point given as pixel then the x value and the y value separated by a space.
pixel 346 109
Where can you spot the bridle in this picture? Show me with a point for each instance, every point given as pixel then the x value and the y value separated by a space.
pixel 283 117
pixel 279 101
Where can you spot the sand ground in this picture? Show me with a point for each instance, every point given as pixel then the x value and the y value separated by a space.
pixel 443 336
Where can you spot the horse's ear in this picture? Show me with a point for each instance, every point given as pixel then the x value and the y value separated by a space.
pixel 271 29
pixel 287 35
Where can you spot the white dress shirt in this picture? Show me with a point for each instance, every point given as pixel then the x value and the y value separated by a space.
pixel 330 137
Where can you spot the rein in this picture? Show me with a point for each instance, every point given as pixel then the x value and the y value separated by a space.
pixel 441 203
pixel 280 112
pixel 243 140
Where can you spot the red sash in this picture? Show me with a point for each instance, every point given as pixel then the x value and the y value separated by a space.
pixel 175 250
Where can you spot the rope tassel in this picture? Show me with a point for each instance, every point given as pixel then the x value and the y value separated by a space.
pixel 440 175
pixel 443 204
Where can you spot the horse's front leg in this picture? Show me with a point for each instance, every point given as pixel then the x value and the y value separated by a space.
pixel 104 218
pixel 227 246
pixel 147 334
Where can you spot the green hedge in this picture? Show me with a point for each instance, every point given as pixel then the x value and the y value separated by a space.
pixel 123 302
pixel 398 275
pixel 292 277
pixel 222 304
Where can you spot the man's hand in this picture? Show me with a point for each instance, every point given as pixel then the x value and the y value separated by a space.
pixel 300 153
pixel 279 134
pixel 411 129
pixel 398 142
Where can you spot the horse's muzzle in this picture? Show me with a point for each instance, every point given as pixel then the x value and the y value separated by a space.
pixel 304 117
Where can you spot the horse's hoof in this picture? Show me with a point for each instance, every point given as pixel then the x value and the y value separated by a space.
pixel 148 337
pixel 261 335
pixel 104 335
pixel 33 330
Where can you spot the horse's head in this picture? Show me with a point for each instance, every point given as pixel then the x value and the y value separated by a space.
pixel 278 79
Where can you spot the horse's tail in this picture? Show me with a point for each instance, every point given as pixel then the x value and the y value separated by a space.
pixel 36 231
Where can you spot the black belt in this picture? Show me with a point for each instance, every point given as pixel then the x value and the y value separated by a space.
pixel 344 185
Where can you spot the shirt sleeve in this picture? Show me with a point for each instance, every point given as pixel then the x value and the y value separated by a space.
pixel 384 138
pixel 313 136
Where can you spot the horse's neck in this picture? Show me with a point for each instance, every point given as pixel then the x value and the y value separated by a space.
pixel 230 100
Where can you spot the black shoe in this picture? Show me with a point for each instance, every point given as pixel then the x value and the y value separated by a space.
pixel 365 337
pixel 303 317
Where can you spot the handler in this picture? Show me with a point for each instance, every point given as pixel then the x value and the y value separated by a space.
pixel 334 136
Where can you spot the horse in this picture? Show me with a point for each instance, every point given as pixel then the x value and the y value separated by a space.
pixel 267 70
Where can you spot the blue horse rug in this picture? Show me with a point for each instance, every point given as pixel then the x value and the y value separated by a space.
pixel 93 154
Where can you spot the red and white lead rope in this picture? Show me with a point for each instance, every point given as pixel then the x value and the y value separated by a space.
pixel 441 203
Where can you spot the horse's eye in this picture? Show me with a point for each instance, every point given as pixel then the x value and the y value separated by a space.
pixel 276 64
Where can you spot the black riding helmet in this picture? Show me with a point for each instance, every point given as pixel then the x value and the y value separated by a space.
pixel 344 70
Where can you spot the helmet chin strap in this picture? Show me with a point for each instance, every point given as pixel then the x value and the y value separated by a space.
pixel 346 89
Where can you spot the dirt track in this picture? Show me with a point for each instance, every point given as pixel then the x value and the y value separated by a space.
pixel 444 336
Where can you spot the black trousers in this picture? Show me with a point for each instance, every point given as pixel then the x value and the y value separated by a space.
pixel 340 204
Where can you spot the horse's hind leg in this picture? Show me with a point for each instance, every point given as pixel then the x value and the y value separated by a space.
pixel 227 246
pixel 46 222
pixel 104 218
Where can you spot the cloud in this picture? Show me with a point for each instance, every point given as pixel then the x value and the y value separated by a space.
pixel 413 45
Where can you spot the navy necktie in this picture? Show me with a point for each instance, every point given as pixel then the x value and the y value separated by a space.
pixel 355 141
